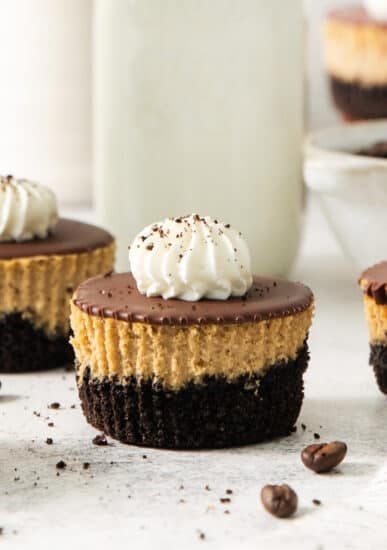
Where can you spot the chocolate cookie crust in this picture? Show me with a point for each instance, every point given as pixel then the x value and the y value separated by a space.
pixel 214 414
pixel 358 101
pixel 68 237
pixel 378 360
pixel 116 296
pixel 26 348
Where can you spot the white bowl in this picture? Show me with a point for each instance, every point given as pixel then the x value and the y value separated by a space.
pixel 352 189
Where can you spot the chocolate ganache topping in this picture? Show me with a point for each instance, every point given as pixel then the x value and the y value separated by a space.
pixel 67 237
pixel 374 282
pixel 115 295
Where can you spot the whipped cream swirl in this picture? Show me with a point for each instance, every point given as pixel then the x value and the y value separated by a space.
pixel 190 258
pixel 27 210
pixel 377 9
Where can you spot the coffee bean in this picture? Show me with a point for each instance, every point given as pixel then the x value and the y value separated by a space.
pixel 322 457
pixel 279 500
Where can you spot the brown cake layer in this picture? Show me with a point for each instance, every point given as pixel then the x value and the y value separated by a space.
pixel 25 348
pixel 214 414
pixel 68 237
pixel 116 296
pixel 358 102
pixel 378 359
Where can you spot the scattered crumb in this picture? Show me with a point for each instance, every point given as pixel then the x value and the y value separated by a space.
pixel 207 488
pixel 36 413
pixel 144 456
pixel 72 407
pixel 316 435
pixel 181 487
pixel 226 512
pixel 202 536
pixel 225 500
pixel 229 491
pixel 303 427
pixel 54 405
pixel 86 465
pixel 49 441
pixel 316 502
pixel 61 465
pixel 50 424
pixel 100 440
pixel 16 478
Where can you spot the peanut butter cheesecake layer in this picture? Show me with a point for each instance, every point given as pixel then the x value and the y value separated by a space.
pixel 356 60
pixel 204 372
pixel 373 281
pixel 40 267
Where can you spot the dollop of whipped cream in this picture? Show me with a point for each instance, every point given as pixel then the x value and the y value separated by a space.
pixel 190 258
pixel 377 9
pixel 28 210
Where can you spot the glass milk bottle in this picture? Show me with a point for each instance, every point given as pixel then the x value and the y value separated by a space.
pixel 198 107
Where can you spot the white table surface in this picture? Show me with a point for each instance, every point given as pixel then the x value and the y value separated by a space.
pixel 125 500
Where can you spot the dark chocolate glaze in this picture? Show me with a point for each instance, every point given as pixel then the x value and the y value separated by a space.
pixel 115 295
pixel 68 237
pixel 356 15
pixel 375 278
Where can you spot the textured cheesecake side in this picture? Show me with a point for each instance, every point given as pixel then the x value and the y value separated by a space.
pixel 174 356
pixel 40 287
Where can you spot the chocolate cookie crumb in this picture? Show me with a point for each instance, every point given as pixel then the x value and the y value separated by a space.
pixel 61 465
pixel 50 424
pixel 54 405
pixel 303 427
pixel 49 441
pixel 316 502
pixel 225 500
pixel 202 536
pixel 86 465
pixel 207 488
pixel 229 491
pixel 144 457
pixel 316 436
pixel 100 440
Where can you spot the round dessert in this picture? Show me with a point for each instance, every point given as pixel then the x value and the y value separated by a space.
pixel 191 351
pixel 356 59
pixel 373 282
pixel 42 260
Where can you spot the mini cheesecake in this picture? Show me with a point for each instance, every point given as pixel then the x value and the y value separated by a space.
pixel 355 52
pixel 176 374
pixel 42 261
pixel 373 281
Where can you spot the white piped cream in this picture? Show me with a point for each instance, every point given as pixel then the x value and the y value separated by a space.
pixel 191 258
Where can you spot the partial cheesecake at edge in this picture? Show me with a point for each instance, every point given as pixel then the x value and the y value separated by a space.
pixel 42 260
pixel 373 282
pixel 355 56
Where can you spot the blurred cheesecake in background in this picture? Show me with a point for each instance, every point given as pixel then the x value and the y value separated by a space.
pixel 355 55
